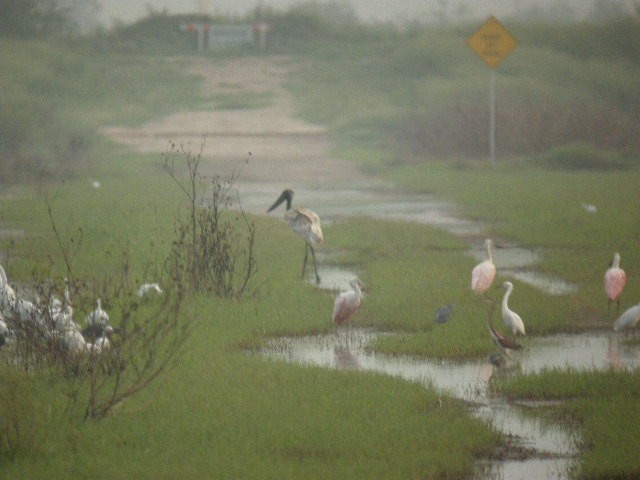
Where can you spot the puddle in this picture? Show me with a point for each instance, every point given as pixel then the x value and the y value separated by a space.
pixel 381 202
pixel 545 283
pixel 335 279
pixel 469 381
pixel 519 263
pixel 374 202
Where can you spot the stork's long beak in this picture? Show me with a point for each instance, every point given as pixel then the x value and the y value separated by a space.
pixel 286 195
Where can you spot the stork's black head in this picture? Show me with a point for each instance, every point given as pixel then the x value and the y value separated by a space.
pixel 286 195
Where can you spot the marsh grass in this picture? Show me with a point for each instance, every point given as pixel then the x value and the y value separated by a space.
pixel 230 414
pixel 55 97
pixel 602 405
pixel 221 410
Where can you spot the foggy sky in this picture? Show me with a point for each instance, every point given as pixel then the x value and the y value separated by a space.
pixel 400 11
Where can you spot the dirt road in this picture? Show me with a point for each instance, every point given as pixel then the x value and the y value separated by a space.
pixel 280 148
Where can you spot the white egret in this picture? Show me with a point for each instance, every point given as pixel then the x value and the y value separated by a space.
pixel 628 320
pixel 510 318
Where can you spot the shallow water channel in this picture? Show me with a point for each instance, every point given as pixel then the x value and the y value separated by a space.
pixel 550 448
pixel 381 202
pixel 546 450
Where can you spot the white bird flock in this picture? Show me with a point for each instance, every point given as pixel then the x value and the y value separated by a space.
pixel 54 321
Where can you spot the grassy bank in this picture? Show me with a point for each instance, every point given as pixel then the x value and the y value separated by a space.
pixel 222 412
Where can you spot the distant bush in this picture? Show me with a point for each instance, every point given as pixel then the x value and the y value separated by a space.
pixel 39 142
pixel 581 156
pixel 618 39
pixel 310 25
pixel 523 128
pixel 157 33
pixel 32 18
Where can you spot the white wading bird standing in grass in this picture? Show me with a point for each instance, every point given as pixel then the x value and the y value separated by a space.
pixel 305 223
pixel 4 332
pixel 483 274
pixel 98 316
pixel 614 282
pixel 148 289
pixel 347 304
pixel 510 318
pixel 628 320
pixel 8 296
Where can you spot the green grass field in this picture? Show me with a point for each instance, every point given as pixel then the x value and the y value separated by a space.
pixel 222 412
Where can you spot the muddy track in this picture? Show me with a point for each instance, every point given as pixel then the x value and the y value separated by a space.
pixel 280 147
pixel 276 150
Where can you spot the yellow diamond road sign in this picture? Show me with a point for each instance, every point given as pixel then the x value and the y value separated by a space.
pixel 492 42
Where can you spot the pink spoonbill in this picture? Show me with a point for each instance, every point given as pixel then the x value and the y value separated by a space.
pixel 347 303
pixel 483 274
pixel 305 223
pixel 614 282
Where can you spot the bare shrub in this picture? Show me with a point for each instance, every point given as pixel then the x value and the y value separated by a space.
pixel 144 337
pixel 212 252
pixel 213 245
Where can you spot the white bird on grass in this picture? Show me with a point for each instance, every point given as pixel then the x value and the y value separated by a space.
pixel 149 288
pixel 483 274
pixel 98 316
pixel 347 303
pixel 74 341
pixel 4 332
pixel 628 320
pixel 61 312
pixel 8 296
pixel 510 318
pixel 305 223
pixel 101 343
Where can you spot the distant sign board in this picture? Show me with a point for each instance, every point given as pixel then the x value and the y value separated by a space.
pixel 223 36
pixel 492 42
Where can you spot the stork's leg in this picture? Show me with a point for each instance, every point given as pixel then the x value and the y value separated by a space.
pixel 315 266
pixel 304 265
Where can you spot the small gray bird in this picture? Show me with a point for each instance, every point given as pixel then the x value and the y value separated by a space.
pixel 444 314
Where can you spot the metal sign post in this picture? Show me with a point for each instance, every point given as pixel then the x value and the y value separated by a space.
pixel 492 115
pixel 492 42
